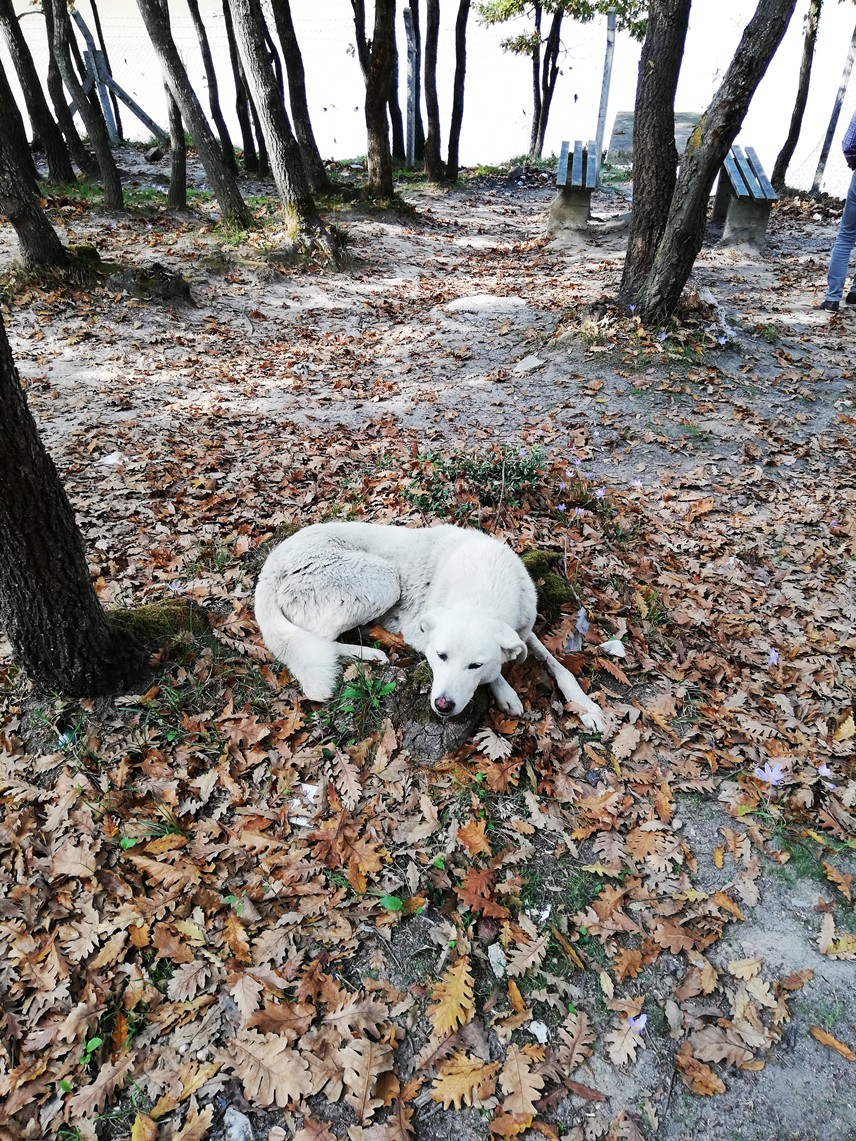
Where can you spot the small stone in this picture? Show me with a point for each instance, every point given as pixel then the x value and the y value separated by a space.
pixel 153 154
pixel 497 960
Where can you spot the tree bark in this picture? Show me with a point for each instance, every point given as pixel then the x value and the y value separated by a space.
pixel 536 79
pixel 242 104
pixel 177 196
pixel 549 75
pixel 780 168
pixel 40 246
pixel 93 120
pixel 58 629
pixel 683 233
pixel 433 163
pixel 79 154
pixel 655 156
pixel 102 43
pixel 283 148
pixel 223 181
pixel 43 122
pixel 419 141
pixel 213 94
pixel 453 164
pixel 396 121
pixel 375 58
pixel 313 164
pixel 15 131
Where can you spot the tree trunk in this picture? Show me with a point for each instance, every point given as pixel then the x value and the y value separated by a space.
pixel 683 233
pixel 15 131
pixel 177 196
pixel 536 80
pixel 780 169
pixel 93 120
pixel 51 615
pixel 102 43
pixel 43 123
pixel 213 95
pixel 396 122
pixel 242 103
pixel 549 75
pixel 79 154
pixel 833 118
pixel 375 58
pixel 419 141
pixel 283 148
pixel 655 156
pixel 39 243
pixel 453 165
pixel 433 163
pixel 313 164
pixel 223 181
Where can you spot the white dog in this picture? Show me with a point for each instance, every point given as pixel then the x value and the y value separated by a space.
pixel 462 598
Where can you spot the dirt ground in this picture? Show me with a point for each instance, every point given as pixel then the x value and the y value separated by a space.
pixel 457 325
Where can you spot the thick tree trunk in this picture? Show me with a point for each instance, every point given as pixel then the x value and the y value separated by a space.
pixel 79 154
pixel 39 243
pixel 683 234
pixel 223 181
pixel 549 75
pixel 375 58
pixel 655 156
pixel 419 140
pixel 93 120
pixel 213 94
pixel 453 164
pixel 780 168
pixel 283 148
pixel 177 196
pixel 44 125
pixel 536 80
pixel 313 164
pixel 433 163
pixel 51 615
pixel 396 121
pixel 242 102
pixel 15 132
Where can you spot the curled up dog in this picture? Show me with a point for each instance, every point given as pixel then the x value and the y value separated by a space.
pixel 460 597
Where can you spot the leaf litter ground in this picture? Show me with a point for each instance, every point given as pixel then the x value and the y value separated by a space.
pixel 221 904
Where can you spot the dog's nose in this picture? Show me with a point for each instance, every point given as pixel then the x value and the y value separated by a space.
pixel 444 704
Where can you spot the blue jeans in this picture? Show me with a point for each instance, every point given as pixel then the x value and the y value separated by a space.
pixel 843 248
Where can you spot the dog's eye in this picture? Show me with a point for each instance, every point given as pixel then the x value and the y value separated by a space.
pixel 475 665
pixel 442 657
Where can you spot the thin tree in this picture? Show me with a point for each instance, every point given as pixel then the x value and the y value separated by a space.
pixel 211 79
pixel 59 632
pixel 43 122
pixel 242 99
pixel 284 150
pixel 79 154
pixel 683 233
pixel 453 163
pixel 16 132
pixel 313 164
pixel 93 119
pixel 780 168
pixel 375 56
pixel 396 120
pixel 434 167
pixel 655 155
pixel 223 181
pixel 833 118
pixel 177 195
pixel 102 43
pixel 419 140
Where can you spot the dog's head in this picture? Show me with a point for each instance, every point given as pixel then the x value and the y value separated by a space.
pixel 465 650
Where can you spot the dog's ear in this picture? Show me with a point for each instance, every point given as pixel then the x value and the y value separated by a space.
pixel 428 621
pixel 513 649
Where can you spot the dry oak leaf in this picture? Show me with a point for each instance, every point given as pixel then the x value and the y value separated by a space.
pixel 627 964
pixel 188 980
pixel 314 1131
pixel 246 992
pixel 844 881
pixel 452 997
pixel 672 936
pixel 364 1061
pixel 144 1128
pixel 521 1086
pixel 492 744
pixel 92 1098
pixel 712 1045
pixel 472 836
pixel 510 1124
pixel 625 741
pixel 196 1125
pixel 577 1037
pixel 271 1072
pixel 193 1077
pixel 528 957
pixel 697 1076
pixel 358 1016
pixel 463 1079
pixel 622 1043
pixel 826 1039
pixel 290 1019
pixel 843 948
pixel 476 891
pixel 744 968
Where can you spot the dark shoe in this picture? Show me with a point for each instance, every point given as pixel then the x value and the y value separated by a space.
pixel 832 306
pixel 850 299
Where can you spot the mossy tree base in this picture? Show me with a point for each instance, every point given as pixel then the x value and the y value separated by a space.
pixel 554 592
pixel 423 734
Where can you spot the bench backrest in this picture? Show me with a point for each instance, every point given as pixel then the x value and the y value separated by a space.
pixel 747 176
pixel 583 165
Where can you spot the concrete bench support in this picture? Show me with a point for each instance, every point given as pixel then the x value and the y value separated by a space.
pixel 744 198
pixel 576 178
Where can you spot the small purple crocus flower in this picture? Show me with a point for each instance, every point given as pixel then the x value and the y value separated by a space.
pixel 578 511
pixel 773 659
pixel 599 494
pixel 770 774
pixel 562 486
pixel 661 336
pixel 637 1024
pixel 561 507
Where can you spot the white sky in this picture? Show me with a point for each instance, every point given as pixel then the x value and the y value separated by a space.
pixel 498 95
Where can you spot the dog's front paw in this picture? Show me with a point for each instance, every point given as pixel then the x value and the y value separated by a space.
pixel 370 654
pixel 513 706
pixel 594 720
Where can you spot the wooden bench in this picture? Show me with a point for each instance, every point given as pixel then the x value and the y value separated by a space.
pixel 576 178
pixel 744 197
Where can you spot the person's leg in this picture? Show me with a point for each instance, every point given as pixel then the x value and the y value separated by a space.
pixel 843 248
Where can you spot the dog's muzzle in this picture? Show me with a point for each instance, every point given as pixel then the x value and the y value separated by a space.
pixel 444 706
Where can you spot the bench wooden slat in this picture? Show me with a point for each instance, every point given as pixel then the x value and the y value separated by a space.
pixel 737 184
pixel 591 163
pixel 752 183
pixel 758 171
pixel 562 168
pixel 577 168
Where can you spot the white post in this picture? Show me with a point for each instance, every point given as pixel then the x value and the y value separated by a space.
pixel 604 90
pixel 411 89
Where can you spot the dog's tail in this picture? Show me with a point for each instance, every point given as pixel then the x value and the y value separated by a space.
pixel 314 661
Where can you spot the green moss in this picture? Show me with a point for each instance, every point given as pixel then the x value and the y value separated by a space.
pixel 159 622
pixel 553 591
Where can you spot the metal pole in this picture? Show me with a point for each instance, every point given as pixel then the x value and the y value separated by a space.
pixel 604 90
pixel 411 88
